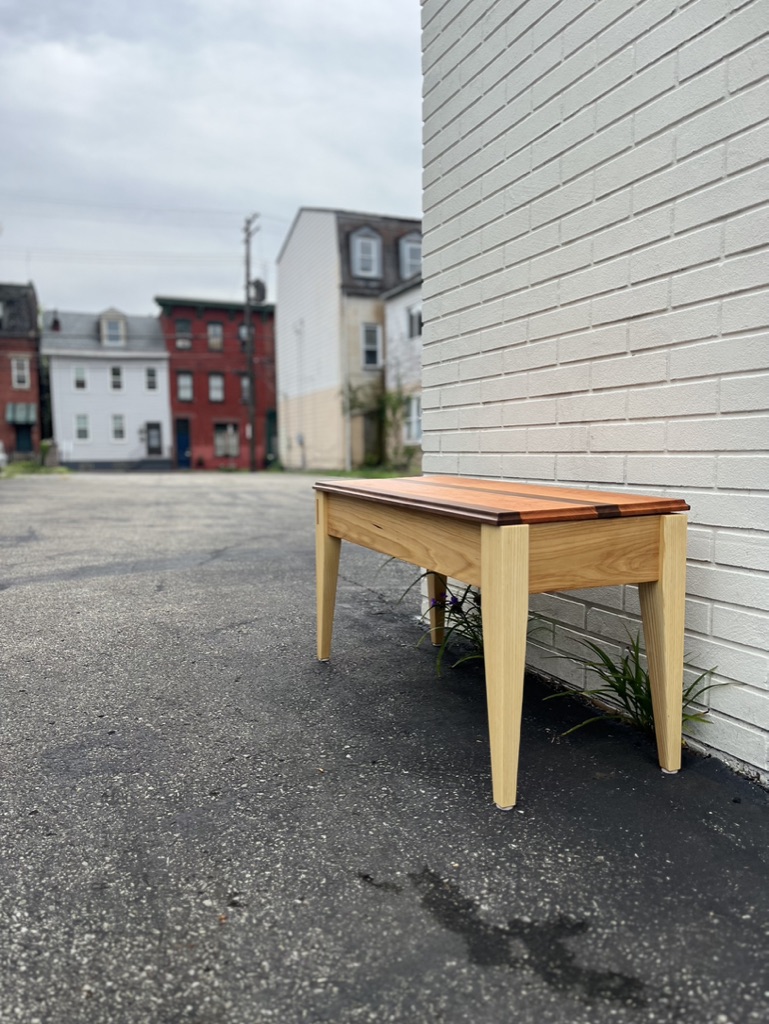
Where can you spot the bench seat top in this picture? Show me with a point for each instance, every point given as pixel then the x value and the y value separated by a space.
pixel 501 502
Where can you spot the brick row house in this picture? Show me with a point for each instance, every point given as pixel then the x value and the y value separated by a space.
pixel 19 371
pixel 215 425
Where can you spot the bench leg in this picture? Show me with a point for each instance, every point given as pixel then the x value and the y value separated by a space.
pixel 327 550
pixel 662 611
pixel 436 594
pixel 504 607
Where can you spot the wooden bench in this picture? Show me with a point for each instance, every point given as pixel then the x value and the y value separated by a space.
pixel 513 540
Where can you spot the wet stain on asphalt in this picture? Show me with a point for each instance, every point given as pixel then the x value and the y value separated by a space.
pixel 547 955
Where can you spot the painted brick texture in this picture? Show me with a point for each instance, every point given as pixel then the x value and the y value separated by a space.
pixel 596 296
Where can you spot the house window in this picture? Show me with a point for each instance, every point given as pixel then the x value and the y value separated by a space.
pixel 226 440
pixel 79 378
pixel 20 373
pixel 216 337
pixel 412 425
pixel 183 333
pixel 151 378
pixel 371 335
pixel 410 247
pixel 82 432
pixel 366 253
pixel 112 332
pixel 184 386
pixel 116 378
pixel 118 427
pixel 414 321
pixel 216 387
pixel 245 389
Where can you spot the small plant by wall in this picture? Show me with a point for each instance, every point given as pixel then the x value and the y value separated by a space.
pixel 624 692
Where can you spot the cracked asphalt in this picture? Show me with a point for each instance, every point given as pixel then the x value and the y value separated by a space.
pixel 201 823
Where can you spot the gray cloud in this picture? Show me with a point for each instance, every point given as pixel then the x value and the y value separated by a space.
pixel 137 130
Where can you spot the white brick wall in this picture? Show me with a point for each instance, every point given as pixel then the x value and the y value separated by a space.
pixel 596 213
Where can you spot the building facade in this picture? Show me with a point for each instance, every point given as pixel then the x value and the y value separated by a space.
pixel 215 423
pixel 108 378
pixel 19 371
pixel 596 305
pixel 403 374
pixel 333 269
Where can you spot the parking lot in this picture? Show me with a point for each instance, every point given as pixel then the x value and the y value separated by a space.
pixel 201 823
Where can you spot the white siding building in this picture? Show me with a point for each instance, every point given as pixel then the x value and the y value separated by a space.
pixel 403 372
pixel 109 390
pixel 332 271
pixel 596 218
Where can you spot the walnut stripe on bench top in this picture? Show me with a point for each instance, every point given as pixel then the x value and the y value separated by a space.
pixel 501 503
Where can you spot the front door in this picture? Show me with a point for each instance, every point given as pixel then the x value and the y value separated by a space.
pixel 154 439
pixel 183 454
pixel 23 438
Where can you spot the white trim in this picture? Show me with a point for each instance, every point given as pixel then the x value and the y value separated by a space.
pixel 73 353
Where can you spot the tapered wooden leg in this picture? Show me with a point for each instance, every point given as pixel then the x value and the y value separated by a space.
pixel 327 550
pixel 504 607
pixel 436 595
pixel 662 611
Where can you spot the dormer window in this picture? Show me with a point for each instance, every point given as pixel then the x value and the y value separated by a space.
pixel 113 330
pixel 366 253
pixel 410 252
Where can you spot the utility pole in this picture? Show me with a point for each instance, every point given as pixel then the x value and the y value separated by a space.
pixel 250 228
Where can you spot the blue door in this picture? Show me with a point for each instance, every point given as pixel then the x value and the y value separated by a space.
pixel 183 454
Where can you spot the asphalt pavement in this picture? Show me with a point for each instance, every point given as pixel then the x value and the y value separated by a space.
pixel 201 823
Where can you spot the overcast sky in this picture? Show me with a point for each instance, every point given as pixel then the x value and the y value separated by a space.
pixel 138 136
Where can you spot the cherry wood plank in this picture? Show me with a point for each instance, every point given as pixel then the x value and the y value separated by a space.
pixel 501 503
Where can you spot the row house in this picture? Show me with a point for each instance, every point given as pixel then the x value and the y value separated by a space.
pixel 19 371
pixel 334 269
pixel 215 369
pixel 109 387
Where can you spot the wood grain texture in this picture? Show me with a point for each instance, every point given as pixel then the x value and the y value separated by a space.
pixel 436 595
pixel 434 542
pixel 327 551
pixel 575 556
pixel 500 503
pixel 662 613
pixel 505 607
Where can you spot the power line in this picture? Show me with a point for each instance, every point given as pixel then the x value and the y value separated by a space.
pixel 117 257
pixel 47 201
